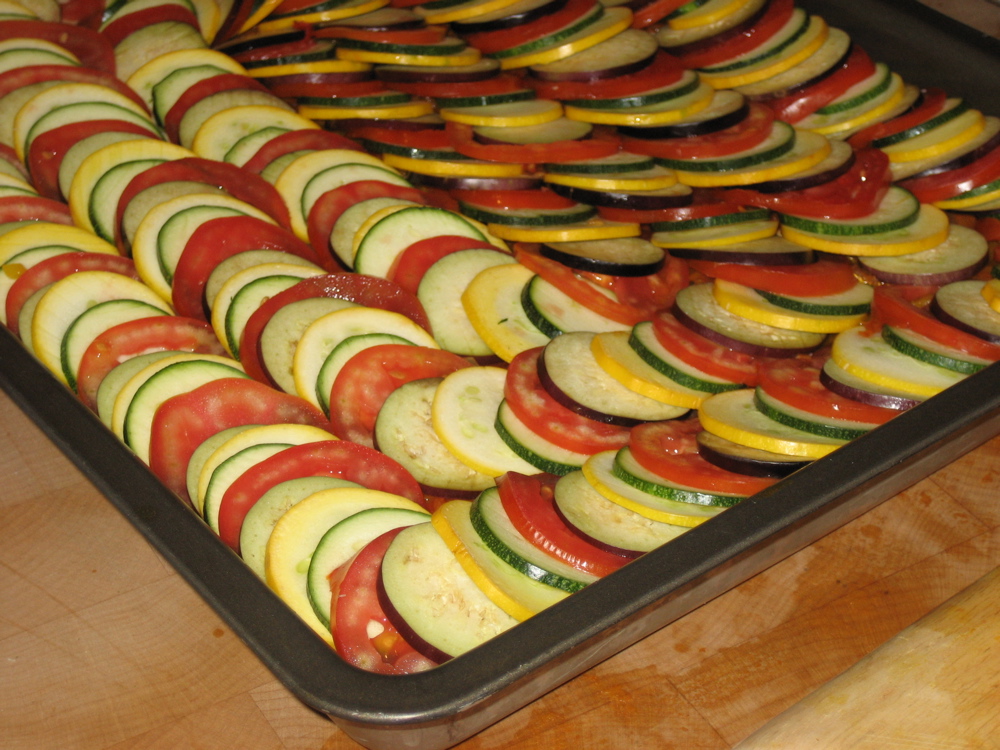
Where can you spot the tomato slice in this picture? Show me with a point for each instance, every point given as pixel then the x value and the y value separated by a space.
pixel 534 406
pixel 945 185
pixel 463 140
pixel 46 152
pixel 200 90
pixel 664 70
pixel 817 279
pixel 647 294
pixel 932 101
pixel 115 30
pixel 355 608
pixel 184 422
pixel 854 194
pixel 893 307
pixel 739 40
pixel 214 241
pixel 354 287
pixel 17 78
pixel 371 375
pixel 703 354
pixel 989 227
pixel 512 200
pixel 423 139
pixel 796 382
pixel 500 84
pixel 670 450
pixel 327 458
pixel 649 13
pixel 59 267
pixel 529 502
pixel 489 42
pixel 751 131
pixel 797 105
pixel 163 333
pixel 32 208
pixel 82 13
pixel 330 89
pixel 297 140
pixel 93 50
pixel 578 288
pixel 411 265
pixel 328 207
pixel 251 189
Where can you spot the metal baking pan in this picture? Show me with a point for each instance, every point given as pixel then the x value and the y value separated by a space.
pixel 442 707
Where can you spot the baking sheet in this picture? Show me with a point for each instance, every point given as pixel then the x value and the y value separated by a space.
pixel 440 708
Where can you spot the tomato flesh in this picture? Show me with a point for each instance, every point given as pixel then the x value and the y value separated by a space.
pixel 798 105
pixel 796 382
pixel 546 417
pixel 200 90
pixel 743 38
pixel 184 422
pixel 93 50
pixel 670 450
pixel 126 340
pixel 892 307
pixel 703 354
pixel 370 291
pixel 664 70
pixel 529 502
pixel 118 29
pixel 751 131
pixel 59 267
pixel 297 140
pixel 932 102
pixel 463 140
pixel 371 375
pixel 355 612
pixel 327 458
pixel 411 265
pixel 214 241
pixel 824 277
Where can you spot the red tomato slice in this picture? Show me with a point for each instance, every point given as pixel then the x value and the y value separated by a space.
pixel 200 90
pixel 326 89
pixel 363 290
pixel 18 78
pixel 184 422
pixel 751 131
pixel 654 11
pixel 798 105
pixel 702 353
pixel 741 39
pixel 422 138
pixel 251 189
pixel 945 185
pixel 509 200
pixel 663 71
pixel 118 28
pixel 854 194
pixel 534 406
pixel 327 458
pixel 989 227
pixel 796 382
pixel 59 267
pixel 46 152
pixel 214 241
pixel 82 13
pixel 355 605
pixel 31 208
pixel 817 279
pixel 932 101
pixel 163 333
pixel 371 375
pixel 500 84
pixel 647 294
pixel 297 140
pixel 892 307
pixel 93 50
pixel 529 502
pixel 329 206
pixel 489 42
pixel 9 155
pixel 463 140
pixel 411 265
pixel 670 450
pixel 578 287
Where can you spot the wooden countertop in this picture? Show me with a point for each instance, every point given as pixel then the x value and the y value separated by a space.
pixel 104 647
